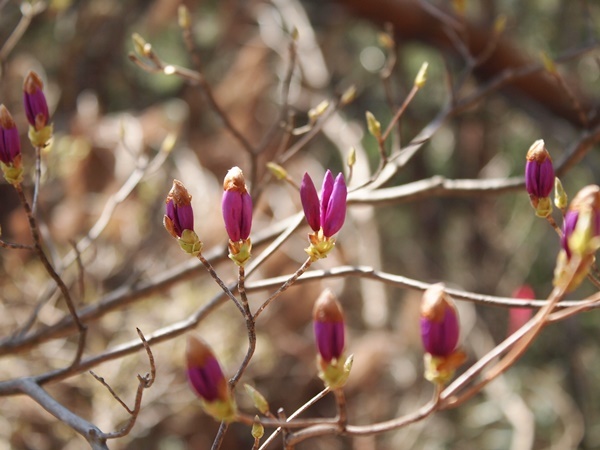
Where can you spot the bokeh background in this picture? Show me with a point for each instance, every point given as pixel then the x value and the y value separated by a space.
pixel 110 116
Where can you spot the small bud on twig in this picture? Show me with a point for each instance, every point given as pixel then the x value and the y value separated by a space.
pixel 421 77
pixel 373 125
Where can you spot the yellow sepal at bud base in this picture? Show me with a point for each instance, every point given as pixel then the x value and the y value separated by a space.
pixel 440 369
pixel 240 251
pixel 40 138
pixel 190 242
pixel 13 174
pixel 320 246
pixel 543 207
pixel 336 372
pixel 221 410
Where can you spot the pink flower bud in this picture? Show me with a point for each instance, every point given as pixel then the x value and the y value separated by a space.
pixel 328 322
pixel 34 100
pixel 10 144
pixel 439 322
pixel 204 372
pixel 539 171
pixel 179 214
pixel 236 205
pixel 329 212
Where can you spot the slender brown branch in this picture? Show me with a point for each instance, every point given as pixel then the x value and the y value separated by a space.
pixel 291 280
pixel 29 10
pixel 52 273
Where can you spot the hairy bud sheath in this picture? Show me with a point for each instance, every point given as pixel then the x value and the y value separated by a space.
pixel 236 205
pixel 439 322
pixel 539 177
pixel 207 380
pixel 179 214
pixel 34 100
pixel 329 212
pixel 328 324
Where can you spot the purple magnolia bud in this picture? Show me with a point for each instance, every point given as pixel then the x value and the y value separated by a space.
pixel 439 322
pixel 577 235
pixel 310 202
pixel 236 205
pixel 179 214
pixel 329 212
pixel 10 144
pixel 204 372
pixel 539 171
pixel 335 210
pixel 328 322
pixel 34 100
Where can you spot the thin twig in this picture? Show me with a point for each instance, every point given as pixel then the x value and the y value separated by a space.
pixel 291 280
pixel 29 10
pixel 57 279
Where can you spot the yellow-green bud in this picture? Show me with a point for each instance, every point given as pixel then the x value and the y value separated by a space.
pixel 373 125
pixel 260 402
pixel 421 77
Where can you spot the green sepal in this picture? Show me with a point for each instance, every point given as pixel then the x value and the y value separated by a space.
pixel 40 138
pixel 190 242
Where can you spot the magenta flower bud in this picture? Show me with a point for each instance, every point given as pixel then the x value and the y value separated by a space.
pixel 179 214
pixel 236 206
pixel 586 203
pixel 10 144
pixel 439 322
pixel 539 171
pixel 329 212
pixel 328 324
pixel 310 202
pixel 204 372
pixel 34 100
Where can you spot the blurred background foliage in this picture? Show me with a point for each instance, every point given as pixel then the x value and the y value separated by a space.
pixel 108 114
